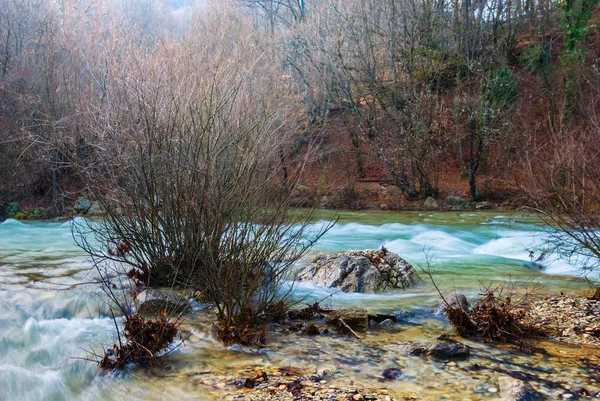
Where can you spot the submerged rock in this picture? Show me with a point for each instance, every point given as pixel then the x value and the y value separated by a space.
pixel 152 302
pixel 438 350
pixel 517 390
pixel 356 318
pixel 361 271
pixel 392 374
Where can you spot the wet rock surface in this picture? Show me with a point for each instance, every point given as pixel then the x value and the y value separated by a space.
pixel 517 390
pixel 366 271
pixel 568 320
pixel 356 318
pixel 440 350
pixel 153 302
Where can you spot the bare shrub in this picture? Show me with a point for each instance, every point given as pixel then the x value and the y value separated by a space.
pixel 194 151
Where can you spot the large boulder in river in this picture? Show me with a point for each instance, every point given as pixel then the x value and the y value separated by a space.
pixel 455 301
pixel 368 271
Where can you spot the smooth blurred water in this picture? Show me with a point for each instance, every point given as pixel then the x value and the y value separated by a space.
pixel 52 312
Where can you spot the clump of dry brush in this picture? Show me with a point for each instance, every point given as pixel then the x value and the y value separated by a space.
pixel 146 339
pixel 496 318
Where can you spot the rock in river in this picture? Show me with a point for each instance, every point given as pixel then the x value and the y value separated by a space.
pixel 152 302
pixel 438 350
pixel 370 271
pixel 356 318
pixel 456 301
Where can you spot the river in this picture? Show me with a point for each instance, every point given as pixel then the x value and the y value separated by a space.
pixel 52 314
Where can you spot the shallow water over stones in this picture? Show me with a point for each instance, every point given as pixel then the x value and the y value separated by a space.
pixel 49 317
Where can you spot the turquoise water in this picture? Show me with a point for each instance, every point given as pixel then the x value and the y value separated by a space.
pixel 52 313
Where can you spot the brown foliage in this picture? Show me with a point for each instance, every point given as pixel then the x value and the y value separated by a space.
pixel 244 335
pixel 146 339
pixel 496 318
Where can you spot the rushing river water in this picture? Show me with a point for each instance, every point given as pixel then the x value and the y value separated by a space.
pixel 51 315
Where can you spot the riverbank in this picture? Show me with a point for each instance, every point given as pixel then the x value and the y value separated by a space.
pixel 371 196
pixel 568 320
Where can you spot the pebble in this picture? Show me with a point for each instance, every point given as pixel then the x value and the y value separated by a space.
pixel 567 395
pixel 492 390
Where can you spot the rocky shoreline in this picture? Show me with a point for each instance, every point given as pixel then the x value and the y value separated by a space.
pixel 83 206
pixel 574 321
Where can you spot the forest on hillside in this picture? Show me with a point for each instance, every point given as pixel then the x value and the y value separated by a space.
pixel 498 96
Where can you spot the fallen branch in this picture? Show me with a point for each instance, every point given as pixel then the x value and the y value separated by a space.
pixel 349 328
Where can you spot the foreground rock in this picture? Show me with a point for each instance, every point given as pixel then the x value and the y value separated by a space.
pixel 456 301
pixel 517 390
pixel 361 271
pixel 438 350
pixel 569 320
pixel 152 302
pixel 356 318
